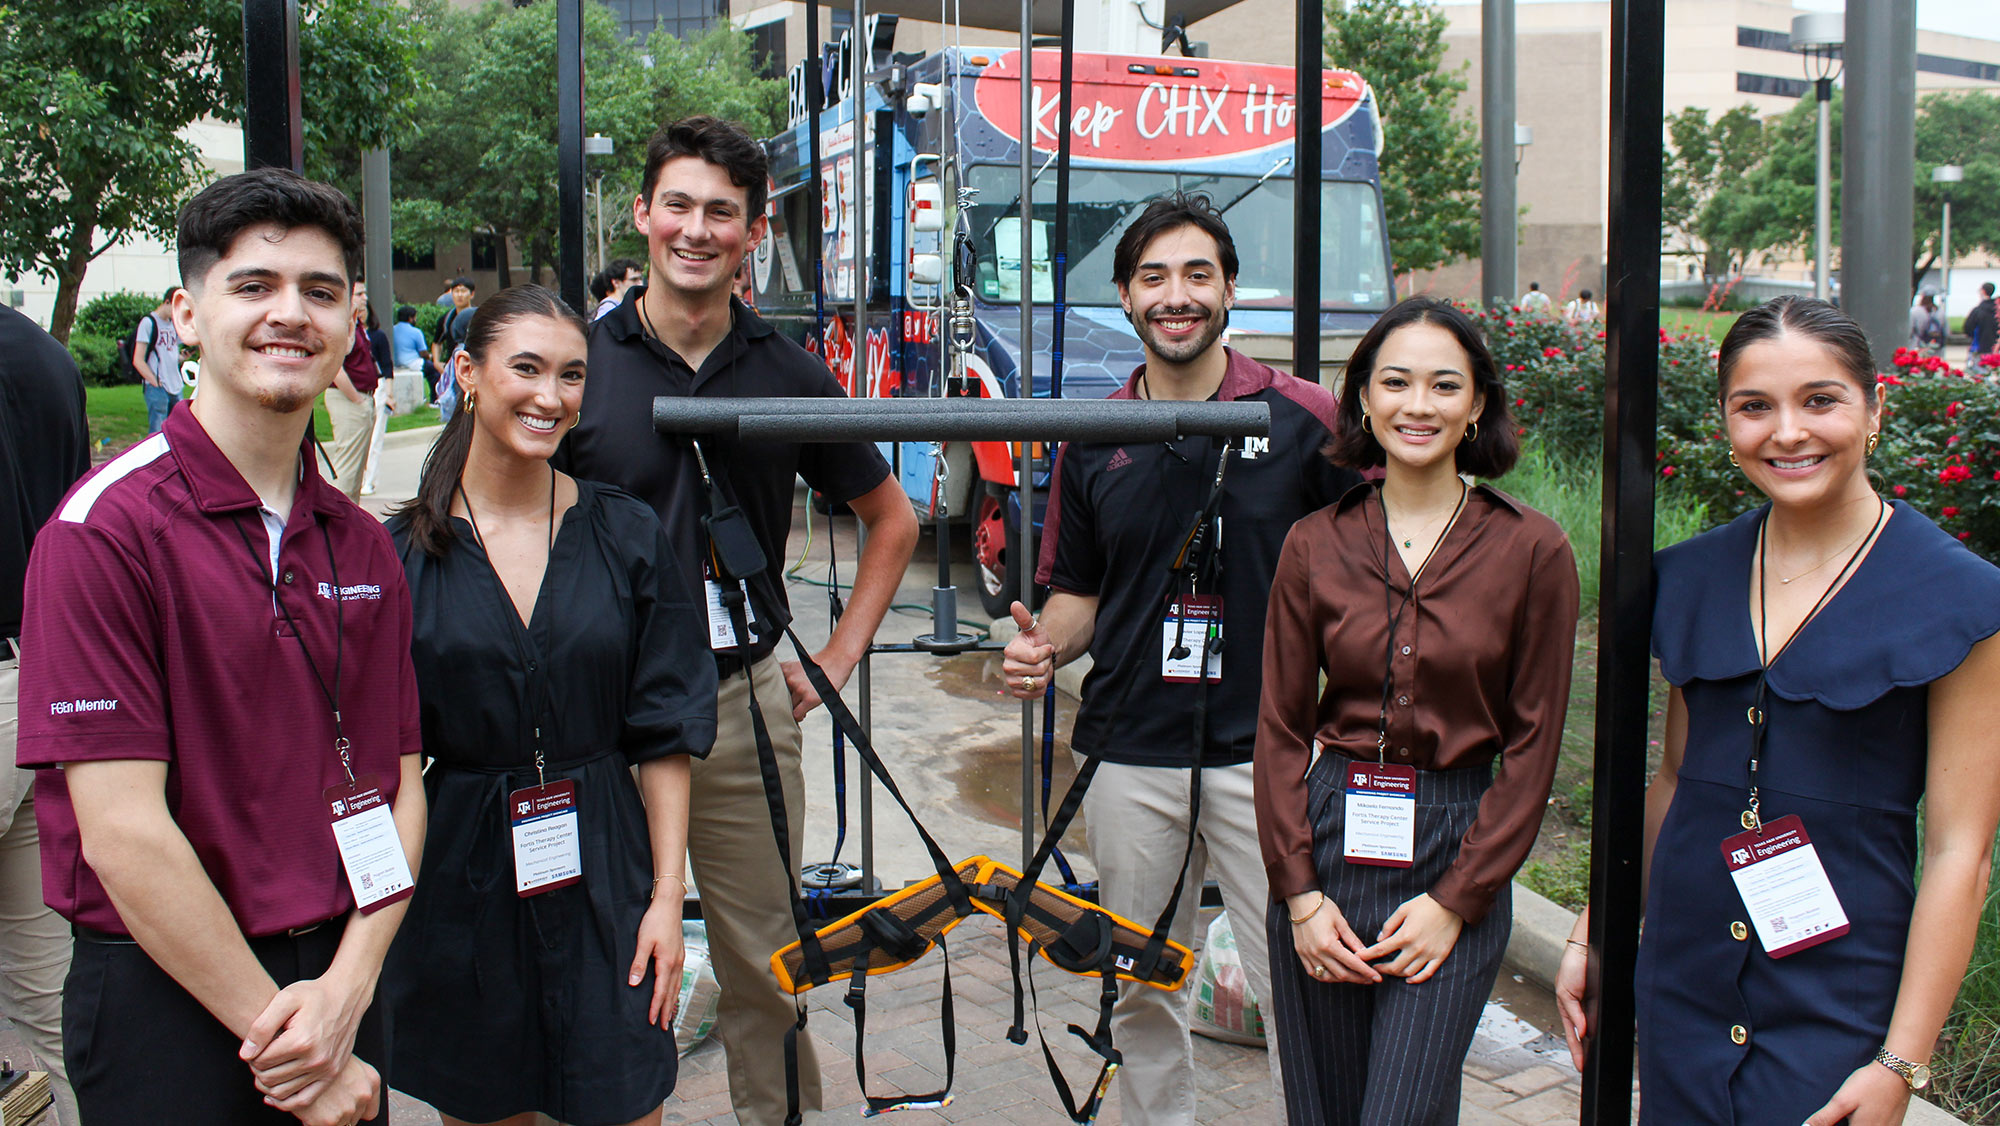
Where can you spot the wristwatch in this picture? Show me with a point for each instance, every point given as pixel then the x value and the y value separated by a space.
pixel 1917 1075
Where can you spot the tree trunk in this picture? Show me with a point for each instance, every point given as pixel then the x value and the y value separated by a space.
pixel 500 238
pixel 1917 275
pixel 69 279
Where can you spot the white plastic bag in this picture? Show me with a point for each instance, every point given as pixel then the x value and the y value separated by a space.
pixel 699 991
pixel 1224 1008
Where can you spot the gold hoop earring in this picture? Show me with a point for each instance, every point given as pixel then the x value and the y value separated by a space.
pixel 577 421
pixel 1472 431
pixel 1732 458
pixel 1874 439
pixel 471 397
pixel 1366 425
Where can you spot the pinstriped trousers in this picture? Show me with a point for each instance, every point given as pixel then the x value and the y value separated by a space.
pixel 1390 1054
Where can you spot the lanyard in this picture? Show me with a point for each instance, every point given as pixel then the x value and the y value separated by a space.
pixel 1394 611
pixel 340 744
pixel 1753 818
pixel 1193 562
pixel 541 779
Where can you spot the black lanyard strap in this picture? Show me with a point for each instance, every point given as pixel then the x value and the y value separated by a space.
pixel 1753 817
pixel 527 628
pixel 332 695
pixel 1394 610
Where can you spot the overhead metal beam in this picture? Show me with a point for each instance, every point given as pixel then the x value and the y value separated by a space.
pixel 569 154
pixel 272 134
pixel 1877 171
pixel 1625 602
pixel 1498 203
pixel 993 420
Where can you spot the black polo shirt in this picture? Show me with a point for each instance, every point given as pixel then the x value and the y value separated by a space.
pixel 1116 516
pixel 615 442
pixel 44 447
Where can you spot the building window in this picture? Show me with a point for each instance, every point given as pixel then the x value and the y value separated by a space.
pixel 485 251
pixel 1771 84
pixel 683 19
pixel 1958 68
pixel 767 45
pixel 401 259
pixel 1758 37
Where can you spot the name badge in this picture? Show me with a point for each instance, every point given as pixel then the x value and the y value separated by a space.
pixel 722 631
pixel 1784 886
pixel 1380 826
pixel 378 871
pixel 1192 622
pixel 547 854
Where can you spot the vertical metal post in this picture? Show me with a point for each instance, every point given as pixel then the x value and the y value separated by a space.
pixel 272 134
pixel 1944 268
pixel 378 269
pixel 1498 202
pixel 1878 162
pixel 1308 62
pixel 1027 376
pixel 860 50
pixel 866 677
pixel 569 154
pixel 1625 606
pixel 1823 203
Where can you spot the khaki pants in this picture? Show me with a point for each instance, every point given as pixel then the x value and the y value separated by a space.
pixel 353 425
pixel 34 941
pixel 745 892
pixel 1136 818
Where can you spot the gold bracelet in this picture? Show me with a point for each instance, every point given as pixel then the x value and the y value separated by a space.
pixel 669 876
pixel 1307 917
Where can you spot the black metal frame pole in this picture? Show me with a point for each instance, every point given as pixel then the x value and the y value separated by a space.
pixel 273 135
pixel 569 152
pixel 1306 80
pixel 1625 606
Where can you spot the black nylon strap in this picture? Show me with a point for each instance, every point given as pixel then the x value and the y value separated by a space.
pixel 1085 1111
pixel 857 1000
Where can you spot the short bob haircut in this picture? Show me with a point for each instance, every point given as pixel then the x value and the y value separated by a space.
pixel 1818 321
pixel 1494 448
pixel 724 144
pixel 1171 212
pixel 210 222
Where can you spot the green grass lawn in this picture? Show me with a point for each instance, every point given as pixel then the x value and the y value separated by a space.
pixel 1681 321
pixel 118 417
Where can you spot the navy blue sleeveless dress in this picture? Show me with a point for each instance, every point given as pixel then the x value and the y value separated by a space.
pixel 1846 751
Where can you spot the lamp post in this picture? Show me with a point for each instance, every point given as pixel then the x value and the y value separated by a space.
pixel 1947 175
pixel 1524 135
pixel 597 144
pixel 1818 36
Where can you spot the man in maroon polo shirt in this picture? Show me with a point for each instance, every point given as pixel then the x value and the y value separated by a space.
pixel 218 686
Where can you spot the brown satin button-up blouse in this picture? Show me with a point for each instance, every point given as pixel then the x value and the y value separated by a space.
pixel 1480 671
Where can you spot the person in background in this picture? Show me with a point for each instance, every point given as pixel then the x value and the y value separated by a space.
pixel 451 332
pixel 1818 696
pixel 44 448
pixel 220 707
pixel 1982 326
pixel 1421 636
pixel 156 356
pixel 557 644
pixel 350 403
pixel 383 351
pixel 1926 326
pixel 1581 310
pixel 610 284
pixel 1535 303
pixel 409 353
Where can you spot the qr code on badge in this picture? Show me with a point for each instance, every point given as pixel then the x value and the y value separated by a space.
pixel 1779 926
pixel 367 882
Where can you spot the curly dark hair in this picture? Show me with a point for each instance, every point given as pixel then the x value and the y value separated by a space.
pixel 1166 213
pixel 210 222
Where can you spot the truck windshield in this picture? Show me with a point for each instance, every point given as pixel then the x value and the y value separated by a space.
pixel 1354 270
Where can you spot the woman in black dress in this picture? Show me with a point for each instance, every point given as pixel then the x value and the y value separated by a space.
pixel 1833 663
pixel 555 649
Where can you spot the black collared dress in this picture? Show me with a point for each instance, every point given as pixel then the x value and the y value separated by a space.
pixel 502 1004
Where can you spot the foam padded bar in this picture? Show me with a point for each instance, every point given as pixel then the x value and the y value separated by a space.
pixel 958 420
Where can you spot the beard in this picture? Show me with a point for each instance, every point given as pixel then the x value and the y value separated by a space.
pixel 1181 351
pixel 285 400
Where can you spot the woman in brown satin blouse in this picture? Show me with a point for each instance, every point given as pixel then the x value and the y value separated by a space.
pixel 1443 616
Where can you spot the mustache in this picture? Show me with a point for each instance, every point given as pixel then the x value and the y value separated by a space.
pixel 1165 313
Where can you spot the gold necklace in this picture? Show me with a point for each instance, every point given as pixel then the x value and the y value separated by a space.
pixel 1830 558
pixel 1442 513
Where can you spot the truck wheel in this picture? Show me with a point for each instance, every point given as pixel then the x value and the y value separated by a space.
pixel 994 543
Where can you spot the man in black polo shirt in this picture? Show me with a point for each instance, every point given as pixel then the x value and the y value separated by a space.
pixel 44 448
pixel 701 209
pixel 1116 518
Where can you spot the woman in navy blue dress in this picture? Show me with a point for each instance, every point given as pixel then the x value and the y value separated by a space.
pixel 1832 662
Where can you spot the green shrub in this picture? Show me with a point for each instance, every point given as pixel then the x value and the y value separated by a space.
pixel 1569 489
pixel 96 357
pixel 428 315
pixel 112 315
pixel 1564 876
pixel 1941 447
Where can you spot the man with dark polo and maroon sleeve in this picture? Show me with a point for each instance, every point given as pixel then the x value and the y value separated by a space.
pixel 217 686
pixel 1118 514
pixel 701 208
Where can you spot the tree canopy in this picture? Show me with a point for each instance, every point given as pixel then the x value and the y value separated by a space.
pixel 481 156
pixel 1704 159
pixel 97 95
pixel 1430 157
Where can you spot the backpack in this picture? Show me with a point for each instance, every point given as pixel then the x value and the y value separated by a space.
pixel 128 346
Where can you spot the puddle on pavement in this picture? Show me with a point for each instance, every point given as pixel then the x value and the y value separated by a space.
pixel 1521 1014
pixel 989 777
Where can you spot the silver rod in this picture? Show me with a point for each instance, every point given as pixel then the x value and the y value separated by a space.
pixel 1026 480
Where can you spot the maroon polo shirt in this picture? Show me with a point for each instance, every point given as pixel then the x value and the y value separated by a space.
pixel 360 363
pixel 151 633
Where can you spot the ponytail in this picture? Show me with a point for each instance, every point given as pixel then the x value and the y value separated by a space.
pixel 429 512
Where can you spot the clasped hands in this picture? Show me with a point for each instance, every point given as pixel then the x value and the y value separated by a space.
pixel 1415 941
pixel 301 1054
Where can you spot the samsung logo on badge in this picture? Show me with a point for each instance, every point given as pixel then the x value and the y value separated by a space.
pixel 350 593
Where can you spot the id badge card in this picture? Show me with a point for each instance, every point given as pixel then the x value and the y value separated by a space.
pixel 378 871
pixel 1783 884
pixel 722 631
pixel 1202 615
pixel 1380 826
pixel 547 853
